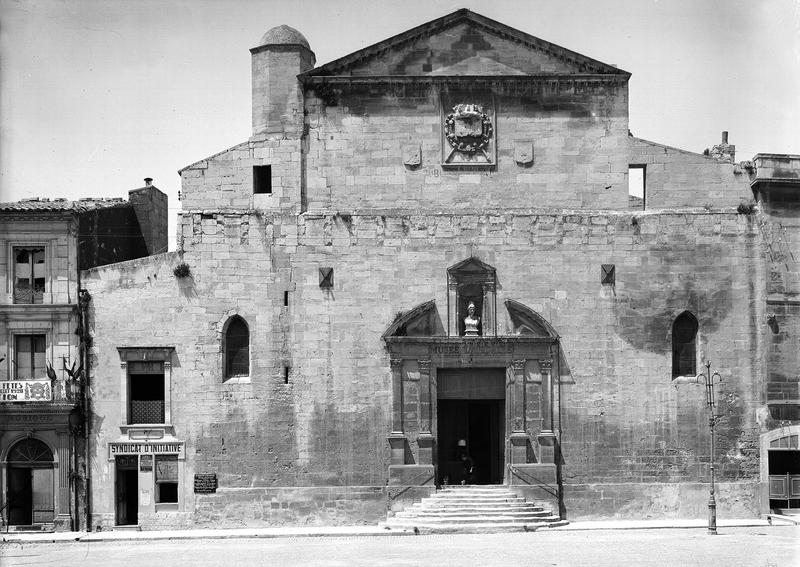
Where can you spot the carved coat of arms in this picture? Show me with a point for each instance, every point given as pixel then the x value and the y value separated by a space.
pixel 469 131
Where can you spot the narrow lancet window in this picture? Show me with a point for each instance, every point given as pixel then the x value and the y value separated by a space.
pixel 684 347
pixel 237 348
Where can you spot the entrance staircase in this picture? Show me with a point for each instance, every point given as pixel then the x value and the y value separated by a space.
pixel 473 509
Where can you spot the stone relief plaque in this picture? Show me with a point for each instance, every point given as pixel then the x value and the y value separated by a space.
pixel 468 131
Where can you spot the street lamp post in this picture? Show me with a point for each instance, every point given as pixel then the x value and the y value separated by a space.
pixel 708 378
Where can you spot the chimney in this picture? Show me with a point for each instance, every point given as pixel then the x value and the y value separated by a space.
pixel 151 209
pixel 724 152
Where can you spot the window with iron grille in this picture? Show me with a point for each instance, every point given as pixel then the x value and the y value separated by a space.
pixel 684 348
pixel 29 275
pixel 237 348
pixel 29 357
pixel 145 392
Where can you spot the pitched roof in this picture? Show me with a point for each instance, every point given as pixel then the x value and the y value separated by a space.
pixel 579 64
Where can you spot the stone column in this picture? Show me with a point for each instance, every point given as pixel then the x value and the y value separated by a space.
pixel 397 436
pixel 452 308
pixel 62 481
pixel 546 367
pixel 425 437
pixel 547 436
pixel 168 392
pixel 425 405
pixel 489 320
pixel 516 401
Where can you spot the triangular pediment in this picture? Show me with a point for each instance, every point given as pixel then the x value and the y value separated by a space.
pixel 464 44
pixel 471 265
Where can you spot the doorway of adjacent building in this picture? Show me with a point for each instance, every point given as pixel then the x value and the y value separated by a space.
pixel 784 476
pixel 127 490
pixel 30 484
pixel 470 423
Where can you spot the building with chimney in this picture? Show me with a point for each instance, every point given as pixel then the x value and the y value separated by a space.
pixel 44 245
pixel 429 266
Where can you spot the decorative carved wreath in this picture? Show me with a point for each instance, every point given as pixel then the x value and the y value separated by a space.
pixel 475 140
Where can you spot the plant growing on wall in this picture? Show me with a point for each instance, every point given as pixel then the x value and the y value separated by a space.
pixel 182 271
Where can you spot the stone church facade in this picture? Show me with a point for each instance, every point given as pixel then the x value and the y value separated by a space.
pixel 430 246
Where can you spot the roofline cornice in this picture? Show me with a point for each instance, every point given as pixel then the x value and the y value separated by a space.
pixel 443 79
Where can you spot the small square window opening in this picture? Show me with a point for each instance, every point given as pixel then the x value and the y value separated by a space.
pixel 608 274
pixel 326 278
pixel 262 179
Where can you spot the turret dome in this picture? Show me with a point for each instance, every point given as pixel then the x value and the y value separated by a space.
pixel 284 35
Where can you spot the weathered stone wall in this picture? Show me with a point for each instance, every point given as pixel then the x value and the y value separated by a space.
pixel 226 179
pixel 779 221
pixel 678 178
pixel 623 420
pixel 359 138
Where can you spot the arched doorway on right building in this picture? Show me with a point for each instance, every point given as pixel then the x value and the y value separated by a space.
pixel 780 470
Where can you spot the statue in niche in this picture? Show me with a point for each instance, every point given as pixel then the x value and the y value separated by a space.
pixel 471 322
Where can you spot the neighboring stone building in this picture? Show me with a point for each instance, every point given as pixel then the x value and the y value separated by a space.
pixel 44 245
pixel 309 353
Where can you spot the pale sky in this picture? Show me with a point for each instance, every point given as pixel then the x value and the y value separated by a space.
pixel 96 95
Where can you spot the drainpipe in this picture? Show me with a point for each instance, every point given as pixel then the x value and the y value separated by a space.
pixel 83 304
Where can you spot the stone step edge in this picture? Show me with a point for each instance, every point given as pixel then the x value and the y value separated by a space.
pixel 501 513
pixel 475 528
pixel 471 521
pixel 477 509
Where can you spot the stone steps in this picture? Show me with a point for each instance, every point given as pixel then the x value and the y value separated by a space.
pixel 472 509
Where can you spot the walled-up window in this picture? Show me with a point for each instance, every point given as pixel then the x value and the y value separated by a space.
pixel 145 392
pixel 29 357
pixel 684 345
pixel 237 348
pixel 29 275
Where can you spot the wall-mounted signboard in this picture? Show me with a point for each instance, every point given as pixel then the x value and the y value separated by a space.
pixel 25 391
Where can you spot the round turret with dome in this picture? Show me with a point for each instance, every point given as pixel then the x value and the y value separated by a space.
pixel 284 35
pixel 282 54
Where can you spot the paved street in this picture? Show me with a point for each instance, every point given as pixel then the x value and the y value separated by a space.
pixel 775 546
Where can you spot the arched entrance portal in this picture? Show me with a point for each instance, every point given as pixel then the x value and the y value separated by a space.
pixel 493 392
pixel 30 483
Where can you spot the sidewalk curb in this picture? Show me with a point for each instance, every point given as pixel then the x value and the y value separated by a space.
pixel 275 533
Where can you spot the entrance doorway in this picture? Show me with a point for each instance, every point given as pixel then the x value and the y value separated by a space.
pixel 127 489
pixel 30 484
pixel 471 418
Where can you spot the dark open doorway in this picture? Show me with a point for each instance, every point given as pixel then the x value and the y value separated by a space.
pixel 471 417
pixel 127 488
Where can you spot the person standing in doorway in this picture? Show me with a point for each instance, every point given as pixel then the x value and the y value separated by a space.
pixel 467 464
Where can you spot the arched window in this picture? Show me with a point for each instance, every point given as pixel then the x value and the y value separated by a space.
pixel 29 451
pixel 237 348
pixel 684 347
